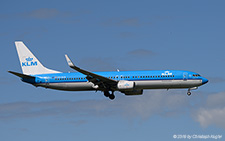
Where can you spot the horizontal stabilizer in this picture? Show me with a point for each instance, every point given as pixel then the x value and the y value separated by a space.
pixel 21 75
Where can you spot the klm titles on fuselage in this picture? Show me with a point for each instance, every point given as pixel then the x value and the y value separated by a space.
pixel 29 62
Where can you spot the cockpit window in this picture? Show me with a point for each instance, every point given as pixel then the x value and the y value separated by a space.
pixel 196 75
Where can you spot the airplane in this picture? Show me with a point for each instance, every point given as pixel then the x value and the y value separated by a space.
pixel 127 82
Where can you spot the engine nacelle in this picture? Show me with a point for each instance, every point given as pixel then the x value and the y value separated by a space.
pixel 125 85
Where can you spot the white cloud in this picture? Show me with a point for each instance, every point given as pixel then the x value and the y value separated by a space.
pixel 214 116
pixel 212 112
pixel 151 103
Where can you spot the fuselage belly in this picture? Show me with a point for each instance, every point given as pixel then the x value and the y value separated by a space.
pixel 147 84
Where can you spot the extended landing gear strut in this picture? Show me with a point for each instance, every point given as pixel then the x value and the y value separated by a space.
pixel 107 94
pixel 189 90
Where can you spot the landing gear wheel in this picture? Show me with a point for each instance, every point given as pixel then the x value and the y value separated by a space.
pixel 188 93
pixel 112 96
pixel 106 94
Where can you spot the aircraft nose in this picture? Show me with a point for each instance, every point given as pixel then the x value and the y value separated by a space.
pixel 204 80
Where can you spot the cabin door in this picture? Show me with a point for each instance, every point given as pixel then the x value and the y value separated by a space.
pixel 185 75
pixel 46 82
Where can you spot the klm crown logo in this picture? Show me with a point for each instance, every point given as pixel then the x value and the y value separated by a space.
pixel 29 59
pixel 126 85
pixel 167 73
pixel 29 62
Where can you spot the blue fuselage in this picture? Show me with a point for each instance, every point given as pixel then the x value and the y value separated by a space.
pixel 163 79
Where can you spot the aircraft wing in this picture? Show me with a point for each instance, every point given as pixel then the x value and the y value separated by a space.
pixel 101 81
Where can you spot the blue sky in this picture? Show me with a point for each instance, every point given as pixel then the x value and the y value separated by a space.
pixel 105 36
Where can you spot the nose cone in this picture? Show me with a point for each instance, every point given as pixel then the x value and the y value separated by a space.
pixel 204 80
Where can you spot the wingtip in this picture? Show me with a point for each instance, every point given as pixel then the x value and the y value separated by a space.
pixel 67 58
pixel 19 42
pixel 69 61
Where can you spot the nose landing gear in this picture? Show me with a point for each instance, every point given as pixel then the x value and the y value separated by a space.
pixel 189 93
pixel 189 90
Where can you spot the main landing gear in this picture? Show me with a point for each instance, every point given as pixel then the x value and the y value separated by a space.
pixel 107 94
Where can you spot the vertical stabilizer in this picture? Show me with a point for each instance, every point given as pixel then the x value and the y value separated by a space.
pixel 29 63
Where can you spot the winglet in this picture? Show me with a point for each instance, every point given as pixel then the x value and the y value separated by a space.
pixel 70 63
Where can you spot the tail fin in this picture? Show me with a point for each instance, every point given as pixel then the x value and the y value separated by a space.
pixel 29 63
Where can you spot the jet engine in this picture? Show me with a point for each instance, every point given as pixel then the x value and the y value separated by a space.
pixel 125 85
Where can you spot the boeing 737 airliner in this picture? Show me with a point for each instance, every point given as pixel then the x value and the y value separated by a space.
pixel 127 82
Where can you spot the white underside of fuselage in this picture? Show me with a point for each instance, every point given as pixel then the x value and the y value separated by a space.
pixel 148 84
